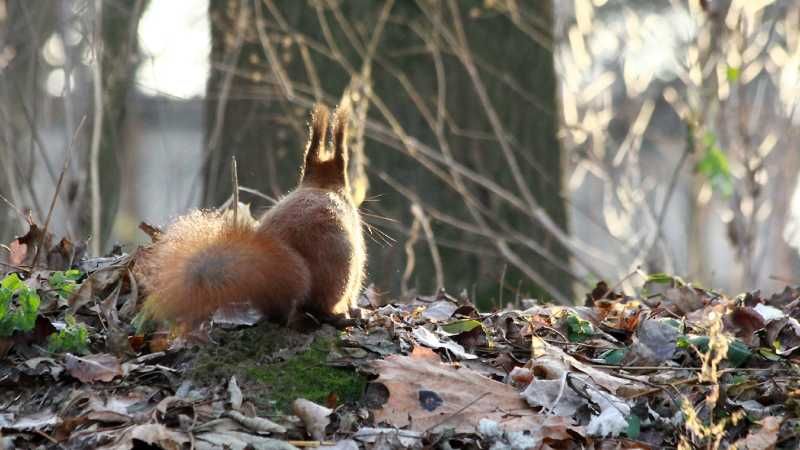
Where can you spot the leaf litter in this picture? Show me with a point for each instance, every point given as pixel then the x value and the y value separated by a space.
pixel 670 366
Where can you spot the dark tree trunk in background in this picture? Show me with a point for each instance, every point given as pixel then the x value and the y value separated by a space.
pixel 532 125
pixel 248 114
pixel 231 104
pixel 234 112
pixel 243 117
pixel 119 60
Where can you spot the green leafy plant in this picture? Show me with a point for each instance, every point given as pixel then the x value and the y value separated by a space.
pixel 634 426
pixel 65 282
pixel 460 326
pixel 74 338
pixel 715 166
pixel 664 278
pixel 733 73
pixel 19 315
pixel 614 356
pixel 578 330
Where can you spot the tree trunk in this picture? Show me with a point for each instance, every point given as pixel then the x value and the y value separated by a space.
pixel 119 59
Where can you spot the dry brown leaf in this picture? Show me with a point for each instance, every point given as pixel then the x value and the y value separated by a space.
pixel 553 360
pixel 153 434
pixel 621 444
pixel 18 253
pixel 743 322
pixel 425 394
pixel 235 440
pixel 763 438
pixel 83 296
pixel 314 417
pixel 684 300
pixel 102 367
pixel 235 394
pixel 257 424
pixel 41 420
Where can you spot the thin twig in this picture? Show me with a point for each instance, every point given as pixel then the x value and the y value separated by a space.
pixel 15 267
pixel 418 212
pixel 272 55
pixel 619 283
pixel 97 131
pixel 12 206
pixel 413 236
pixel 235 181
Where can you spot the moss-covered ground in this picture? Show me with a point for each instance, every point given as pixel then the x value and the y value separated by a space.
pixel 275 365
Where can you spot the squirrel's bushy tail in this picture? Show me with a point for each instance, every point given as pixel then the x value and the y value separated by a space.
pixel 203 262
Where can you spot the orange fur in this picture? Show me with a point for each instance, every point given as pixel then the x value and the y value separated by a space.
pixel 306 254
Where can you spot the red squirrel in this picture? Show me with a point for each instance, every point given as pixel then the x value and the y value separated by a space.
pixel 305 255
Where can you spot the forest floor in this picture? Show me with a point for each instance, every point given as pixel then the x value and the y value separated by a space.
pixel 673 366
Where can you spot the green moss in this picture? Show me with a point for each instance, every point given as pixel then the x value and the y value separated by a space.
pixel 307 375
pixel 275 366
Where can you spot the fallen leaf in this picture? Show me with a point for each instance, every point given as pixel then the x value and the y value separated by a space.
pixel 42 420
pixel 49 366
pixel 257 424
pixel 18 253
pixel 234 394
pixel 153 434
pixel 314 417
pixel 545 437
pixel 683 300
pixel 235 440
pixel 653 343
pixel 344 444
pixel 378 340
pixel 763 438
pixel 425 394
pixel 769 313
pixel 743 322
pixel 521 375
pixel 439 311
pixel 429 339
pixel 101 367
pixel 783 299
pixel 553 362
pixel 784 333
pixel 400 438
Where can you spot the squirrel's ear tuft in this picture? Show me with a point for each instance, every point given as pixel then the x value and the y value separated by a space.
pixel 340 118
pixel 318 129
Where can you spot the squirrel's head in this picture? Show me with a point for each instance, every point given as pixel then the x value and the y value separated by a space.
pixel 331 172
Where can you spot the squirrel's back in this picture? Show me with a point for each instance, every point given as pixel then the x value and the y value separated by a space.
pixel 326 231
